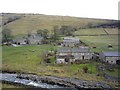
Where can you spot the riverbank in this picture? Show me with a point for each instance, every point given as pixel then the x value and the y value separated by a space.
pixel 52 81
pixel 25 83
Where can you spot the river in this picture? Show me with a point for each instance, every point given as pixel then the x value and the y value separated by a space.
pixel 13 78
pixel 51 82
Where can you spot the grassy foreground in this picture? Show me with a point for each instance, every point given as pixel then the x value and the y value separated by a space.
pixel 5 85
pixel 28 59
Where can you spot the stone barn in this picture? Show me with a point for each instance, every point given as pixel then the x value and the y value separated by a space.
pixel 72 54
pixel 110 57
pixel 64 55
pixel 34 39
pixel 82 53
pixel 20 41
pixel 65 59
pixel 70 42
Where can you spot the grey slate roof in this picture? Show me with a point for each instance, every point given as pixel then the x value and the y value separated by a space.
pixel 35 36
pixel 19 39
pixel 64 50
pixel 70 39
pixel 80 50
pixel 112 54
pixel 75 50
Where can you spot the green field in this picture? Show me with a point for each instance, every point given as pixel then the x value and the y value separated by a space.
pixel 95 31
pixel 28 57
pixel 23 59
pixel 112 31
pixel 101 42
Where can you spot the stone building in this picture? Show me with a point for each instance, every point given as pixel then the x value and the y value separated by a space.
pixel 72 54
pixel 20 41
pixel 70 41
pixel 110 57
pixel 34 39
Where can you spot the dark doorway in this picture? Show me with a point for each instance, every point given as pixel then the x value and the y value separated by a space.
pixel 66 60
pixel 118 62
pixel 83 57
pixel 15 43
pixel 18 43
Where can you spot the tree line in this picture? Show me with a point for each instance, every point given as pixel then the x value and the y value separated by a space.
pixel 54 36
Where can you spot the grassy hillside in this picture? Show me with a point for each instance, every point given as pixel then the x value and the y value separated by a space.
pixel 9 17
pixel 33 22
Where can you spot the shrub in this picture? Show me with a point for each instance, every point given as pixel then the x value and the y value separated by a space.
pixel 85 69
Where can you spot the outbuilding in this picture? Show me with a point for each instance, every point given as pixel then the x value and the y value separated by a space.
pixel 70 41
pixel 20 41
pixel 69 54
pixel 110 57
pixel 34 39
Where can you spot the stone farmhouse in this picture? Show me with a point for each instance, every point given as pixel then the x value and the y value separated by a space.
pixel 70 42
pixel 110 57
pixel 20 41
pixel 68 54
pixel 33 39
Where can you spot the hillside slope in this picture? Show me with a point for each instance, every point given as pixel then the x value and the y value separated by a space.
pixel 33 22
